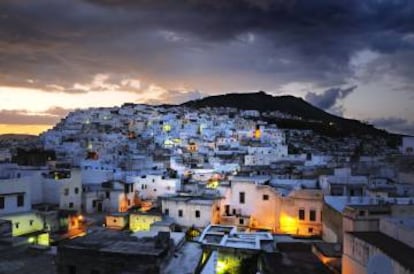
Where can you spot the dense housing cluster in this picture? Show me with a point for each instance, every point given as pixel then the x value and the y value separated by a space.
pixel 145 189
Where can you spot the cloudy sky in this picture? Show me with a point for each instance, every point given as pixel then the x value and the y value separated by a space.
pixel 353 58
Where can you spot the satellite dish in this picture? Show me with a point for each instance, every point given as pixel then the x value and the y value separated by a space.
pixel 379 264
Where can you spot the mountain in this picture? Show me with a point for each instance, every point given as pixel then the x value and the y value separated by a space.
pixel 17 137
pixel 312 117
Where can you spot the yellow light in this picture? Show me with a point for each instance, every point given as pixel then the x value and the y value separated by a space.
pixel 166 127
pixel 213 184
pixel 43 239
pixel 31 240
pixel 80 218
pixel 288 224
pixel 221 266
pixel 257 134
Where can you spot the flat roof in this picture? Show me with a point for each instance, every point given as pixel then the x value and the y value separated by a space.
pixel 115 242
pixel 396 250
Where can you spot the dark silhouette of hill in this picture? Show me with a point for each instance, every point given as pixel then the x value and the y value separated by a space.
pixel 312 117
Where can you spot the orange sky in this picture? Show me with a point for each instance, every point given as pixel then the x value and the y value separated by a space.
pixel 23 129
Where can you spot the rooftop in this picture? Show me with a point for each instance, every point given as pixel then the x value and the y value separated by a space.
pixel 396 250
pixel 117 242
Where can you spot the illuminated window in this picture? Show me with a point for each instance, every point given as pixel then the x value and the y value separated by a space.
pixel 20 200
pixel 180 213
pixel 312 215
pixel 1 202
pixel 242 197
pixel 197 213
pixel 265 197
pixel 301 214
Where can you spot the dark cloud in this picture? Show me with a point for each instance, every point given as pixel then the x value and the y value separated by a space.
pixel 176 97
pixel 330 99
pixel 23 117
pixel 52 44
pixel 394 124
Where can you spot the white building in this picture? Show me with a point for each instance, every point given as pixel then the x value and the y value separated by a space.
pixel 153 186
pixel 407 147
pixel 190 211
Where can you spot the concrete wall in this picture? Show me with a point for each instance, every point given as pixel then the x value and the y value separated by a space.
pixel 24 223
pixel 209 212
pixel 10 189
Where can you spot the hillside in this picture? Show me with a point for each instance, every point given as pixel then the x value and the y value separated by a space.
pixel 327 123
pixel 17 137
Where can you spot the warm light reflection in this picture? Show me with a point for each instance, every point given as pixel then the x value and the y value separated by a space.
pixel 288 224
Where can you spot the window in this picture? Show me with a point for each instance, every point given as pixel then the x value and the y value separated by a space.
pixel 94 203
pixel 301 214
pixel 362 213
pixel 265 197
pixel 94 271
pixel 76 190
pixel 66 191
pixel 108 195
pixel 310 230
pixel 241 221
pixel 312 215
pixel 16 225
pixel 180 213
pixel 20 200
pixel 167 211
pixel 31 222
pixel 70 205
pixel 197 213
pixel 71 269
pixel 241 197
pixel 1 202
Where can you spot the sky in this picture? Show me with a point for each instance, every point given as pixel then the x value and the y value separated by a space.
pixel 352 58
